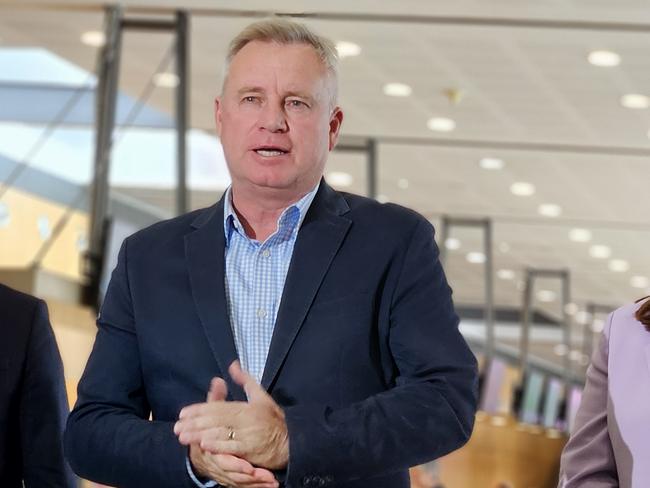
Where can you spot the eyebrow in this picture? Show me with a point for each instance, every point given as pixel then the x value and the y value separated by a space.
pixel 290 93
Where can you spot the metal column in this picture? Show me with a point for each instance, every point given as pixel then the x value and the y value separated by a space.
pixel 486 225
pixel 182 111
pixel 531 275
pixel 105 108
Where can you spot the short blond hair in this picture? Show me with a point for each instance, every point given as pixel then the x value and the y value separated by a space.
pixel 284 31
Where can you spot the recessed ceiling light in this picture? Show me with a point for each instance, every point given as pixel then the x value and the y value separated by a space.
pixel 582 317
pixel 639 281
pixel 166 80
pixel 619 265
pixel 381 198
pixel 347 49
pixel 549 210
pixel 597 326
pixel 397 90
pixel 580 235
pixel 452 243
pixel 560 349
pixel 522 189
pixel 5 216
pixel 571 308
pixel 441 124
pixel 546 296
pixel 475 257
pixel 635 101
pixel 93 38
pixel 606 59
pixel 599 251
pixel 403 183
pixel 339 178
pixel 575 355
pixel 491 163
pixel 506 274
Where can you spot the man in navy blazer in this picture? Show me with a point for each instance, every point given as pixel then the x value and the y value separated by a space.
pixel 336 305
pixel 33 402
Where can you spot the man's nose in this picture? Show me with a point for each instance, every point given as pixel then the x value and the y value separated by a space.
pixel 273 118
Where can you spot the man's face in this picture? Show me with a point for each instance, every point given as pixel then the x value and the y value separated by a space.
pixel 275 118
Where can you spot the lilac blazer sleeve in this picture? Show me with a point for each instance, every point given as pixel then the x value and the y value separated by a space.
pixel 588 457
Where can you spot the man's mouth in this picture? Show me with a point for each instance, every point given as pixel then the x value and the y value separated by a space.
pixel 268 152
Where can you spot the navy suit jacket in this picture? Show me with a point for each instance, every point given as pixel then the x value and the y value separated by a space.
pixel 33 402
pixel 366 358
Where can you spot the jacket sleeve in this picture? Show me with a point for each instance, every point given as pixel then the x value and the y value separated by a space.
pixel 109 437
pixel 428 412
pixel 588 458
pixel 43 409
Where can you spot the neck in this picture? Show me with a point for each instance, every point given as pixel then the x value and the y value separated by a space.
pixel 259 213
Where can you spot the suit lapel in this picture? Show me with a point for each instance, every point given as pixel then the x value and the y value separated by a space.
pixel 204 251
pixel 318 241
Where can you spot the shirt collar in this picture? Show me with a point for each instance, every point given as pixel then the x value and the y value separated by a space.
pixel 289 221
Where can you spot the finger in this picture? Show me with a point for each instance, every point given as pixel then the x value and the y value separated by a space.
pixel 216 409
pixel 230 464
pixel 254 391
pixel 187 437
pixel 218 390
pixel 219 446
pixel 264 474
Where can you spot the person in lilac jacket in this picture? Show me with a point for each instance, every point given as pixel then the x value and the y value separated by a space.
pixel 611 439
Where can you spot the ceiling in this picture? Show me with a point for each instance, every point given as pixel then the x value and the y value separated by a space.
pixel 529 97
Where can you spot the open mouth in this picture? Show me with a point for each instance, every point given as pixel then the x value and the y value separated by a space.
pixel 269 151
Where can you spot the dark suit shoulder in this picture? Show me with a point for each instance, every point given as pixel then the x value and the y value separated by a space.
pixel 164 231
pixel 389 215
pixel 16 306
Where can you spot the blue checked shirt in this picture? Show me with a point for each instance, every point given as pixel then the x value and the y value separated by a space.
pixel 254 279
pixel 255 276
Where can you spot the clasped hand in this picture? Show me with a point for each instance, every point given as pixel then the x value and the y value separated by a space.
pixel 236 443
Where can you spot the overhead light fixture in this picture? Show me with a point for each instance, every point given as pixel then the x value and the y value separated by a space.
pixel 635 101
pixel 441 124
pixel 491 163
pixel 599 251
pixel 403 183
pixel 597 326
pixel 166 80
pixel 5 216
pixel 506 274
pixel 560 349
pixel 339 178
pixel 549 210
pixel 605 59
pixel 381 198
pixel 397 90
pixel 347 49
pixel 639 282
pixel 619 265
pixel 475 257
pixel 546 296
pixel 575 355
pixel 93 38
pixel 583 317
pixel 452 243
pixel 522 189
pixel 580 235
pixel 571 308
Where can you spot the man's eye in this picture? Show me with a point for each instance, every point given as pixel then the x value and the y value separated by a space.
pixel 250 99
pixel 297 104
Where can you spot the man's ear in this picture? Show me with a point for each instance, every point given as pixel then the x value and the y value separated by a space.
pixel 217 114
pixel 336 119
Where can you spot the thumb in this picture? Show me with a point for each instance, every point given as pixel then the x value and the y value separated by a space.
pixel 254 391
pixel 218 390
